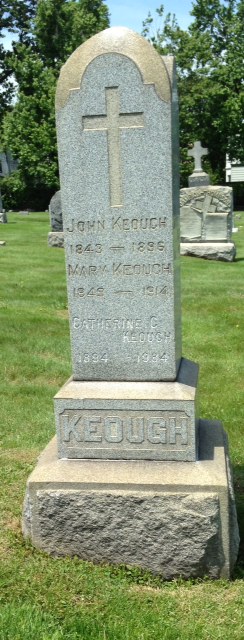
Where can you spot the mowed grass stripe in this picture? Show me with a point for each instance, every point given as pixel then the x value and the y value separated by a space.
pixel 63 598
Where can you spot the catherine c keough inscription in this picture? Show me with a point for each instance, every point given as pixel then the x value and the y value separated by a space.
pixel 128 331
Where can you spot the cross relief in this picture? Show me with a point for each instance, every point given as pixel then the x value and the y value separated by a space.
pixel 113 122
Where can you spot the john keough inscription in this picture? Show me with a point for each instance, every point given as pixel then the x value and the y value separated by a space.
pixel 118 223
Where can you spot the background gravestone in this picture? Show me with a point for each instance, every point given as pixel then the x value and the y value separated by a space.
pixel 198 178
pixel 7 166
pixel 136 477
pixel 206 215
pixel 3 217
pixel 55 211
pixel 56 236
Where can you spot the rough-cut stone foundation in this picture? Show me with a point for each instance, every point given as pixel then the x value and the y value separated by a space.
pixel 172 518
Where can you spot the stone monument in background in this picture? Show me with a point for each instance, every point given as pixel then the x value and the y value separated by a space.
pixel 134 476
pixel 198 178
pixel 7 166
pixel 206 215
pixel 3 215
pixel 56 236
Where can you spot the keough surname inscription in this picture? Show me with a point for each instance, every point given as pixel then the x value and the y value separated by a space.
pixel 149 434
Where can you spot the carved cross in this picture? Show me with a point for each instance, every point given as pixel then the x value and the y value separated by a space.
pixel 113 122
pixel 197 152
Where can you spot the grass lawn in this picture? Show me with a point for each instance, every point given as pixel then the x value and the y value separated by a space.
pixel 44 598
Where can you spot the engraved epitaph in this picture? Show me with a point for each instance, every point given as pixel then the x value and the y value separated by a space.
pixel 118 156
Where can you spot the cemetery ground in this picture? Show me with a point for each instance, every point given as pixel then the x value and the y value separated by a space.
pixel 66 598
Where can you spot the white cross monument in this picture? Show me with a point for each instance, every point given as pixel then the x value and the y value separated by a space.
pixel 198 177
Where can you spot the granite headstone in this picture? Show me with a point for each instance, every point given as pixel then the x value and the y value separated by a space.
pixel 135 478
pixel 118 158
pixel 3 217
pixel 55 211
pixel 56 236
pixel 206 215
pixel 199 177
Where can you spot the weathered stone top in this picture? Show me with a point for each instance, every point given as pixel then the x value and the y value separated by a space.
pixel 117 40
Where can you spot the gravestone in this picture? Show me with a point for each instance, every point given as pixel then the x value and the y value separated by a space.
pixel 7 166
pixel 2 213
pixel 134 476
pixel 56 236
pixel 1 202
pixel 198 178
pixel 3 217
pixel 206 215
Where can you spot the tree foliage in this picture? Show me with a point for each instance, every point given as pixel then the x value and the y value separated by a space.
pixel 6 84
pixel 209 58
pixel 47 32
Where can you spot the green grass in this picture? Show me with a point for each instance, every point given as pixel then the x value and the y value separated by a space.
pixel 54 599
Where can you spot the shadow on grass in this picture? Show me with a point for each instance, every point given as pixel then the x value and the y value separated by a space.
pixel 238 472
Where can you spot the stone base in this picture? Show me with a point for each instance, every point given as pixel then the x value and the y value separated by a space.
pixel 56 239
pixel 129 420
pixel 172 518
pixel 199 179
pixel 225 251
